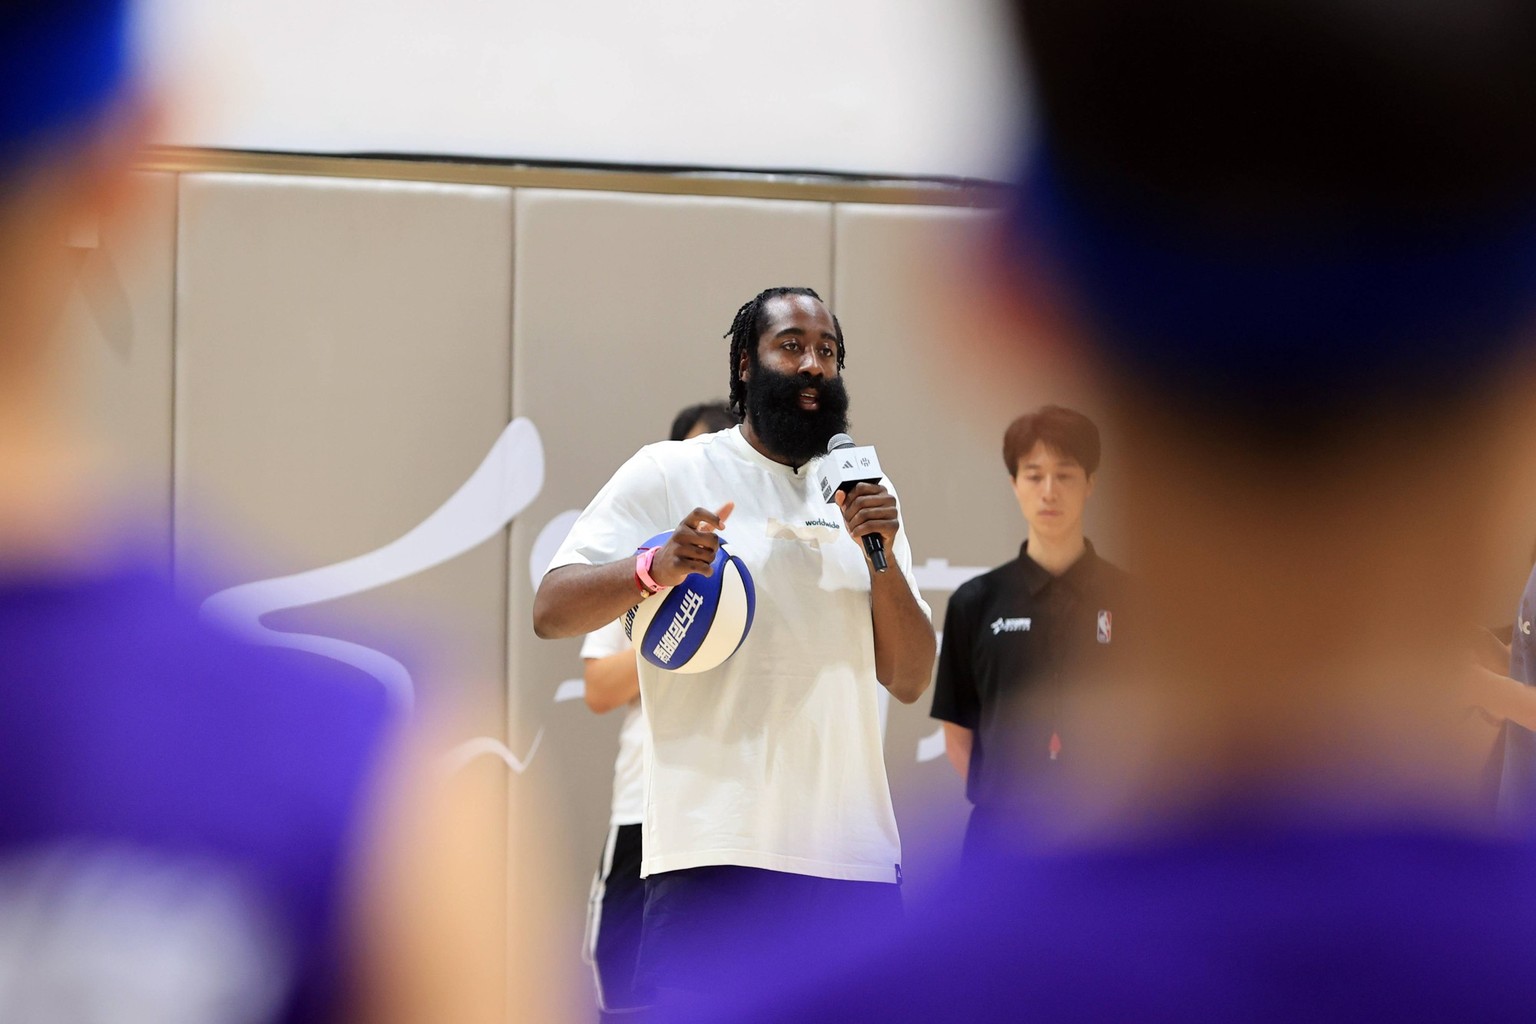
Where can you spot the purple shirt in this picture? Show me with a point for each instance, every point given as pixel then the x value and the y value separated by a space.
pixel 169 794
pixel 1236 921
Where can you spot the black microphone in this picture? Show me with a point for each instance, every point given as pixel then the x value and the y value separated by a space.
pixel 846 466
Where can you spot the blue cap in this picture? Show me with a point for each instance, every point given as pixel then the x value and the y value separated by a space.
pixel 1328 310
pixel 60 61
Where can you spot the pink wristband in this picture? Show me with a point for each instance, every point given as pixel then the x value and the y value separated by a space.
pixel 643 560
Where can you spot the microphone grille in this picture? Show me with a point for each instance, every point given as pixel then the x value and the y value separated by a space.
pixel 839 441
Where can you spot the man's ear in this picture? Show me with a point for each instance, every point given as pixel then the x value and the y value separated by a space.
pixel 1091 478
pixel 744 367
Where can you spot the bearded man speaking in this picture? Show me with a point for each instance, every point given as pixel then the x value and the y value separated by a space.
pixel 768 810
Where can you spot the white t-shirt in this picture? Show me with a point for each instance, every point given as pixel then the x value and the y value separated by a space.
pixel 629 766
pixel 773 760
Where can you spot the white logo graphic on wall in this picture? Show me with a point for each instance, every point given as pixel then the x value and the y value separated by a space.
pixel 504 484
pixel 1010 626
pixel 508 479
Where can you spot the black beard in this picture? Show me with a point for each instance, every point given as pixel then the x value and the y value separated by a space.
pixel 793 433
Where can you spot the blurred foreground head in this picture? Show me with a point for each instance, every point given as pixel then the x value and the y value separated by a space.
pixel 1290 214
pixel 191 830
pixel 70 121
pixel 1293 243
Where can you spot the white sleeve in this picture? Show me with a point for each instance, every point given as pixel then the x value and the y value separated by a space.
pixel 631 508
pixel 600 643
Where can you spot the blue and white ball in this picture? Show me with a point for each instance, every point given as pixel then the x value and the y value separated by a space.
pixel 698 624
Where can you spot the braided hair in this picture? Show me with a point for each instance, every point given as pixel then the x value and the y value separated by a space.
pixel 748 327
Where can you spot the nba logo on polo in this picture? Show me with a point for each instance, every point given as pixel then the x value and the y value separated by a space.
pixel 1106 625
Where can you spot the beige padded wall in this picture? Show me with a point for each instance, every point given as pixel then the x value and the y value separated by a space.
pixel 915 385
pixel 342 367
pixel 120 332
pixel 621 302
pixel 936 400
pixel 918 395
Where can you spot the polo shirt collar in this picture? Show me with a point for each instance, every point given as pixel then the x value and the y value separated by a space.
pixel 1077 574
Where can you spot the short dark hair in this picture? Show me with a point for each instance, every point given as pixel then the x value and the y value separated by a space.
pixel 1067 432
pixel 747 328
pixel 1314 137
pixel 85 46
pixel 712 416
pixel 1275 108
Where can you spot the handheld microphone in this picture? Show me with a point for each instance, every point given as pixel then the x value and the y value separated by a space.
pixel 846 466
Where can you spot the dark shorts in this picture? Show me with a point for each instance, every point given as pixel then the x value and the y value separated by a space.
pixel 706 926
pixel 982 833
pixel 613 920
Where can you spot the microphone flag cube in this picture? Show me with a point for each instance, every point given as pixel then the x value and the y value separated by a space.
pixel 844 468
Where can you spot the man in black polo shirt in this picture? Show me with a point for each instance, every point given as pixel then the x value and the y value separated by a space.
pixel 1013 636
